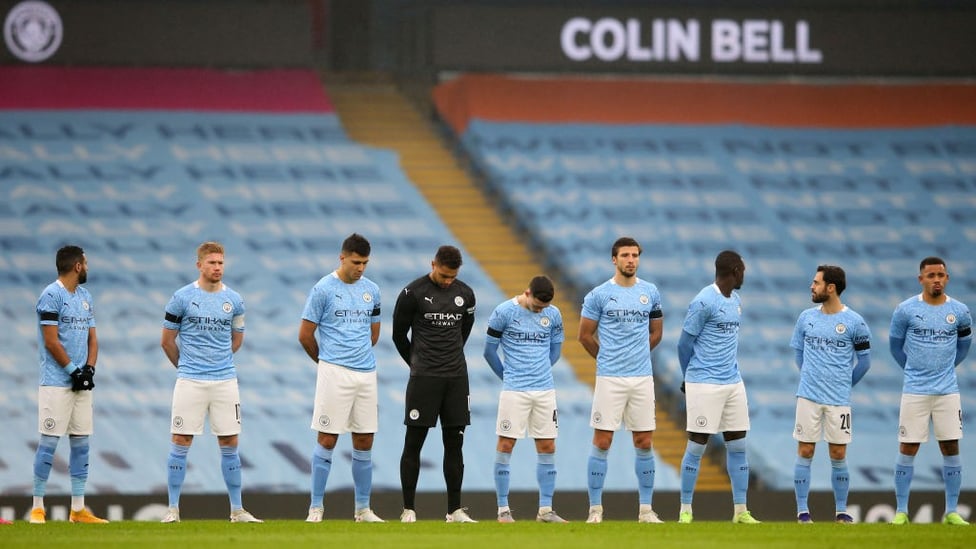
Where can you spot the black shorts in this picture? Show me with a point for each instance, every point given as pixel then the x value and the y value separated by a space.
pixel 431 397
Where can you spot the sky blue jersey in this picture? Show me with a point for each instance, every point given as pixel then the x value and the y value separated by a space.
pixel 526 339
pixel 829 343
pixel 623 316
pixel 714 321
pixel 205 321
pixel 344 314
pixel 74 315
pixel 930 333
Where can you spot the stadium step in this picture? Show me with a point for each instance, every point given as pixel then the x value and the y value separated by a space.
pixel 376 114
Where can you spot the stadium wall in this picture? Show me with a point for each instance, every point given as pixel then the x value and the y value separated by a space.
pixel 800 37
pixel 496 97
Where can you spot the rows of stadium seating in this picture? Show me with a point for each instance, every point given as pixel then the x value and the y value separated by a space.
pixel 139 191
pixel 873 202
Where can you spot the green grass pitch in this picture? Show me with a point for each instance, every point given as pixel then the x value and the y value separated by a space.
pixel 293 534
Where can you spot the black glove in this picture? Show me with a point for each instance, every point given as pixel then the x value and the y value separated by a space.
pixel 682 386
pixel 90 372
pixel 83 379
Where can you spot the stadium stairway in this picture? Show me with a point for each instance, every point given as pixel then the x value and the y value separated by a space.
pixel 373 112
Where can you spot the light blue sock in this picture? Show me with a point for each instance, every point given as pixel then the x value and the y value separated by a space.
pixel 43 461
pixel 801 484
pixel 952 476
pixel 503 471
pixel 596 469
pixel 176 465
pixel 230 466
pixel 78 463
pixel 840 480
pixel 321 465
pixel 362 477
pixel 689 470
pixel 545 473
pixel 904 469
pixel 738 467
pixel 644 467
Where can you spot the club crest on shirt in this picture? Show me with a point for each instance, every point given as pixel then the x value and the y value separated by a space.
pixel 951 318
pixel 86 306
pixel 644 299
pixel 367 297
pixel 227 307
pixel 840 328
pixel 544 322
pixel 459 301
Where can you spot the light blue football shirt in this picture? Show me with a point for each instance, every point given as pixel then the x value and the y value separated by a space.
pixel 205 321
pixel 930 333
pixel 714 321
pixel 74 315
pixel 829 343
pixel 526 338
pixel 623 316
pixel 344 314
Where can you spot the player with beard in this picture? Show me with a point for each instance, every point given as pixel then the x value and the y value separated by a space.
pixel 930 335
pixel 432 320
pixel 621 322
pixel 68 353
pixel 833 352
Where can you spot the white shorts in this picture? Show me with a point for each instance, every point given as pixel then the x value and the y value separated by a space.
pixel 532 411
pixel 346 400
pixel 627 400
pixel 713 408
pixel 193 399
pixel 61 411
pixel 913 419
pixel 814 419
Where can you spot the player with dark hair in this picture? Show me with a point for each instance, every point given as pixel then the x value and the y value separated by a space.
pixel 340 325
pixel 715 395
pixel 529 329
pixel 930 335
pixel 621 322
pixel 68 352
pixel 833 352
pixel 208 317
pixel 437 311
